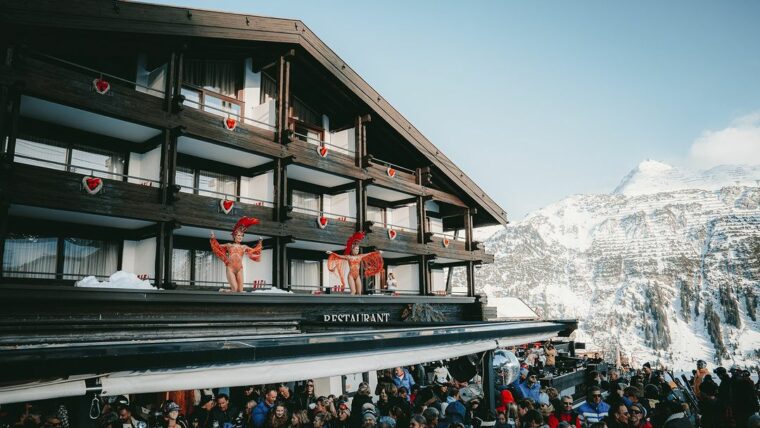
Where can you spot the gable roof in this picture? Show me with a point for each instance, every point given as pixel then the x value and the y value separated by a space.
pixel 135 17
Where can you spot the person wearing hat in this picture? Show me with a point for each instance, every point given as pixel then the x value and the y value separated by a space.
pixel 369 416
pixel 455 411
pixel 544 405
pixel 530 388
pixel 202 411
pixel 344 416
pixel 361 398
pixel 172 418
pixel 432 416
pixel 638 417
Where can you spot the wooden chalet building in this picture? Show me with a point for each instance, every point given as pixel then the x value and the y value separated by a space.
pixel 177 115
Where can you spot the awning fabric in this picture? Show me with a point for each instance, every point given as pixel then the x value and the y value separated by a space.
pixel 281 370
pixel 42 390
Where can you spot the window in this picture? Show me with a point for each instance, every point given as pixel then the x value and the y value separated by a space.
pixel 303 113
pixel 222 77
pixel 109 166
pixel 305 274
pixel 376 214
pixel 181 265
pixel 208 269
pixel 84 257
pixel 268 88
pixel 211 184
pixel 97 163
pixel 305 202
pixel 30 256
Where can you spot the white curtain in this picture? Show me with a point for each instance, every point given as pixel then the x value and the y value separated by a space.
pixel 83 257
pixel 185 178
pixel 89 163
pixel 40 151
pixel 209 270
pixel 220 183
pixel 304 202
pixel 304 274
pixel 29 254
pixel 181 265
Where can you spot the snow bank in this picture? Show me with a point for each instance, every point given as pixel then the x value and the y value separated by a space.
pixel 120 279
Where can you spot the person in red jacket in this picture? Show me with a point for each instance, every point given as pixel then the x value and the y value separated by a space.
pixel 506 397
pixel 565 414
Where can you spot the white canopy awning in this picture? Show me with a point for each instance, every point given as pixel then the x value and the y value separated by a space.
pixel 281 370
pixel 42 390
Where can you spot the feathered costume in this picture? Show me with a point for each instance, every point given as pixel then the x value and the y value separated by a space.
pixel 372 262
pixel 232 254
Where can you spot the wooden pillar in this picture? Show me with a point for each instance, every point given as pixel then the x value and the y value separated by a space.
pixel 169 86
pixel 14 96
pixel 489 384
pixel 470 278
pixel 4 116
pixel 159 266
pixel 285 265
pixel 361 205
pixel 283 97
pixel 421 220
pixel 179 60
pixel 4 206
pixel 280 190
pixel 168 256
pixel 468 230
pixel 359 141
pixel 423 274
pixel 166 161
pixel 276 262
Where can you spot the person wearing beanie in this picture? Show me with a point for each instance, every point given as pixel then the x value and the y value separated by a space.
pixel 530 388
pixel 638 417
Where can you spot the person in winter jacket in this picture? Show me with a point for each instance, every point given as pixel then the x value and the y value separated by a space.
pixel 530 388
pixel 565 414
pixel 638 418
pixel 594 409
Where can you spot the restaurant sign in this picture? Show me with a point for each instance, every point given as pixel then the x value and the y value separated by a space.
pixel 377 317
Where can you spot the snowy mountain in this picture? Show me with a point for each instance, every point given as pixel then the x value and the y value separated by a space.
pixel 667 267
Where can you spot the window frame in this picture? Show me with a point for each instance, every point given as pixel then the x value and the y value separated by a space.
pixel 71 146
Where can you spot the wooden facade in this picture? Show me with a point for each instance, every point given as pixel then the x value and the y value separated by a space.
pixel 170 157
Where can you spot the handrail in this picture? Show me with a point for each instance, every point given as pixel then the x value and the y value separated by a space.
pixel 453 237
pixel 397 226
pixel 323 143
pixel 92 170
pixel 246 119
pixel 100 73
pixel 321 212
pixel 393 165
pixel 227 195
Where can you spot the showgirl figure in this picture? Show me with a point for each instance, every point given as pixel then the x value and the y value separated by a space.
pixel 372 263
pixel 232 254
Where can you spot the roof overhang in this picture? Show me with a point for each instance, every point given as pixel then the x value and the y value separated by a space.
pixel 187 22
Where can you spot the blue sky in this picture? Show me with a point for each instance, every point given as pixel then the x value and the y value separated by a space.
pixel 538 100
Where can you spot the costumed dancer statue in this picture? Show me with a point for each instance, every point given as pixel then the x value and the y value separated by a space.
pixel 232 254
pixel 371 262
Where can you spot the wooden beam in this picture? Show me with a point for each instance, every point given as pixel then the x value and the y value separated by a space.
pixel 260 169
pixel 194 162
pixel 342 188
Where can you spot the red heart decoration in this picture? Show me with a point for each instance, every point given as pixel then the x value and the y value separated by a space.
pixel 391 172
pixel 446 242
pixel 322 222
pixel 101 85
pixel 230 123
pixel 226 205
pixel 322 150
pixel 92 185
pixel 392 234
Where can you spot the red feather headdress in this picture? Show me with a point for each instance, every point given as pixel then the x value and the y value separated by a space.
pixel 353 240
pixel 244 223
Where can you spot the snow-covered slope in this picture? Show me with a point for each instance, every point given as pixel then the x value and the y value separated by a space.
pixel 667 267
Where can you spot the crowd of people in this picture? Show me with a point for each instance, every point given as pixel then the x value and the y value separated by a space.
pixel 404 397
pixel 630 398
pixel 410 397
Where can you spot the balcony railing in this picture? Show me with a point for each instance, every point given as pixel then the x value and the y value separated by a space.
pixel 82 170
pixel 320 213
pixel 220 105
pixel 318 142
pixel 226 195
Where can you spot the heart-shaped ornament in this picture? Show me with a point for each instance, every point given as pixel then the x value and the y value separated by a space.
pixel 322 150
pixel 226 205
pixel 391 172
pixel 230 124
pixel 446 242
pixel 101 85
pixel 392 234
pixel 92 185
pixel 322 222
